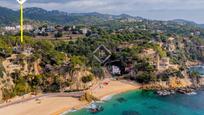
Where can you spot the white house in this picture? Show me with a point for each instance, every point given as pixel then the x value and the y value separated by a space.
pixel 10 28
pixel 116 70
pixel 28 27
pixel 84 30
pixel 25 27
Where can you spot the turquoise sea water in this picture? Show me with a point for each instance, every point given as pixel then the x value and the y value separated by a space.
pixel 148 103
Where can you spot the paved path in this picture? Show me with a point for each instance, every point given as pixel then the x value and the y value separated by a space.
pixel 72 94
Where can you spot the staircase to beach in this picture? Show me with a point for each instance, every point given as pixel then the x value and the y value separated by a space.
pixel 107 73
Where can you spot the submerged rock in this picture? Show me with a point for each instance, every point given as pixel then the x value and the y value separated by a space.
pixel 121 100
pixel 152 107
pixel 186 90
pixel 131 112
pixel 165 92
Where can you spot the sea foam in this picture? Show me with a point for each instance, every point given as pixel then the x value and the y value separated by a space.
pixel 106 98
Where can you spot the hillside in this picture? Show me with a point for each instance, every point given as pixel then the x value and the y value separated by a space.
pixel 117 22
pixel 202 25
pixel 145 51
pixel 182 21
pixel 38 14
pixel 187 22
pixel 9 17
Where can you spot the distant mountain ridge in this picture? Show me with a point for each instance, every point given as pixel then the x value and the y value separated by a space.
pixel 38 14
pixel 201 25
pixel 9 17
pixel 187 22
pixel 182 21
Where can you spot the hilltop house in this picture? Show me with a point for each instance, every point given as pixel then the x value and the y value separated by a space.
pixel 84 30
pixel 9 28
pixel 17 28
pixel 59 28
pixel 119 66
pixel 164 64
pixel 161 63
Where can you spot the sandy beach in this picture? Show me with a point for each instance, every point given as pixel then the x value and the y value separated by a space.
pixel 58 105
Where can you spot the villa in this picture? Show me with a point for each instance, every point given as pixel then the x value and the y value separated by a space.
pixel 116 70
pixel 84 30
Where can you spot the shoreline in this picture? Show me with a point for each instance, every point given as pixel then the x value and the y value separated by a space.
pixel 59 105
pixel 133 86
pixel 105 98
pixel 109 97
pixel 62 105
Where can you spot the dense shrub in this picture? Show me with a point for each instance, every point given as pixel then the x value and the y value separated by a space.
pixel 7 94
pixel 87 79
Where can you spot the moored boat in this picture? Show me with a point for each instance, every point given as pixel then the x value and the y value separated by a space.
pixel 94 108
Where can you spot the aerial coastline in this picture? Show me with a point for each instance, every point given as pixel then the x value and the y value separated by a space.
pixel 54 62
pixel 58 105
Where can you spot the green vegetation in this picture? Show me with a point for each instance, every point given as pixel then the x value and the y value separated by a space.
pixel 1 69
pixel 50 59
pixel 21 87
pixel 7 94
pixel 144 72
pixel 98 71
pixel 170 73
pixel 5 49
pixel 77 61
pixel 194 74
pixel 87 79
pixel 195 77
pixel 58 35
pixel 58 60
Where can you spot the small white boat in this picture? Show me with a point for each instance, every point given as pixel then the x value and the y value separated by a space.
pixel 94 108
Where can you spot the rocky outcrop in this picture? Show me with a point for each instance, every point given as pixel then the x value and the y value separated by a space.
pixel 201 81
pixel 12 64
pixel 182 90
pixel 174 84
pixel 186 90
pixel 88 97
pixel 165 92
pixel 76 77
pixel 36 67
pixel 5 82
